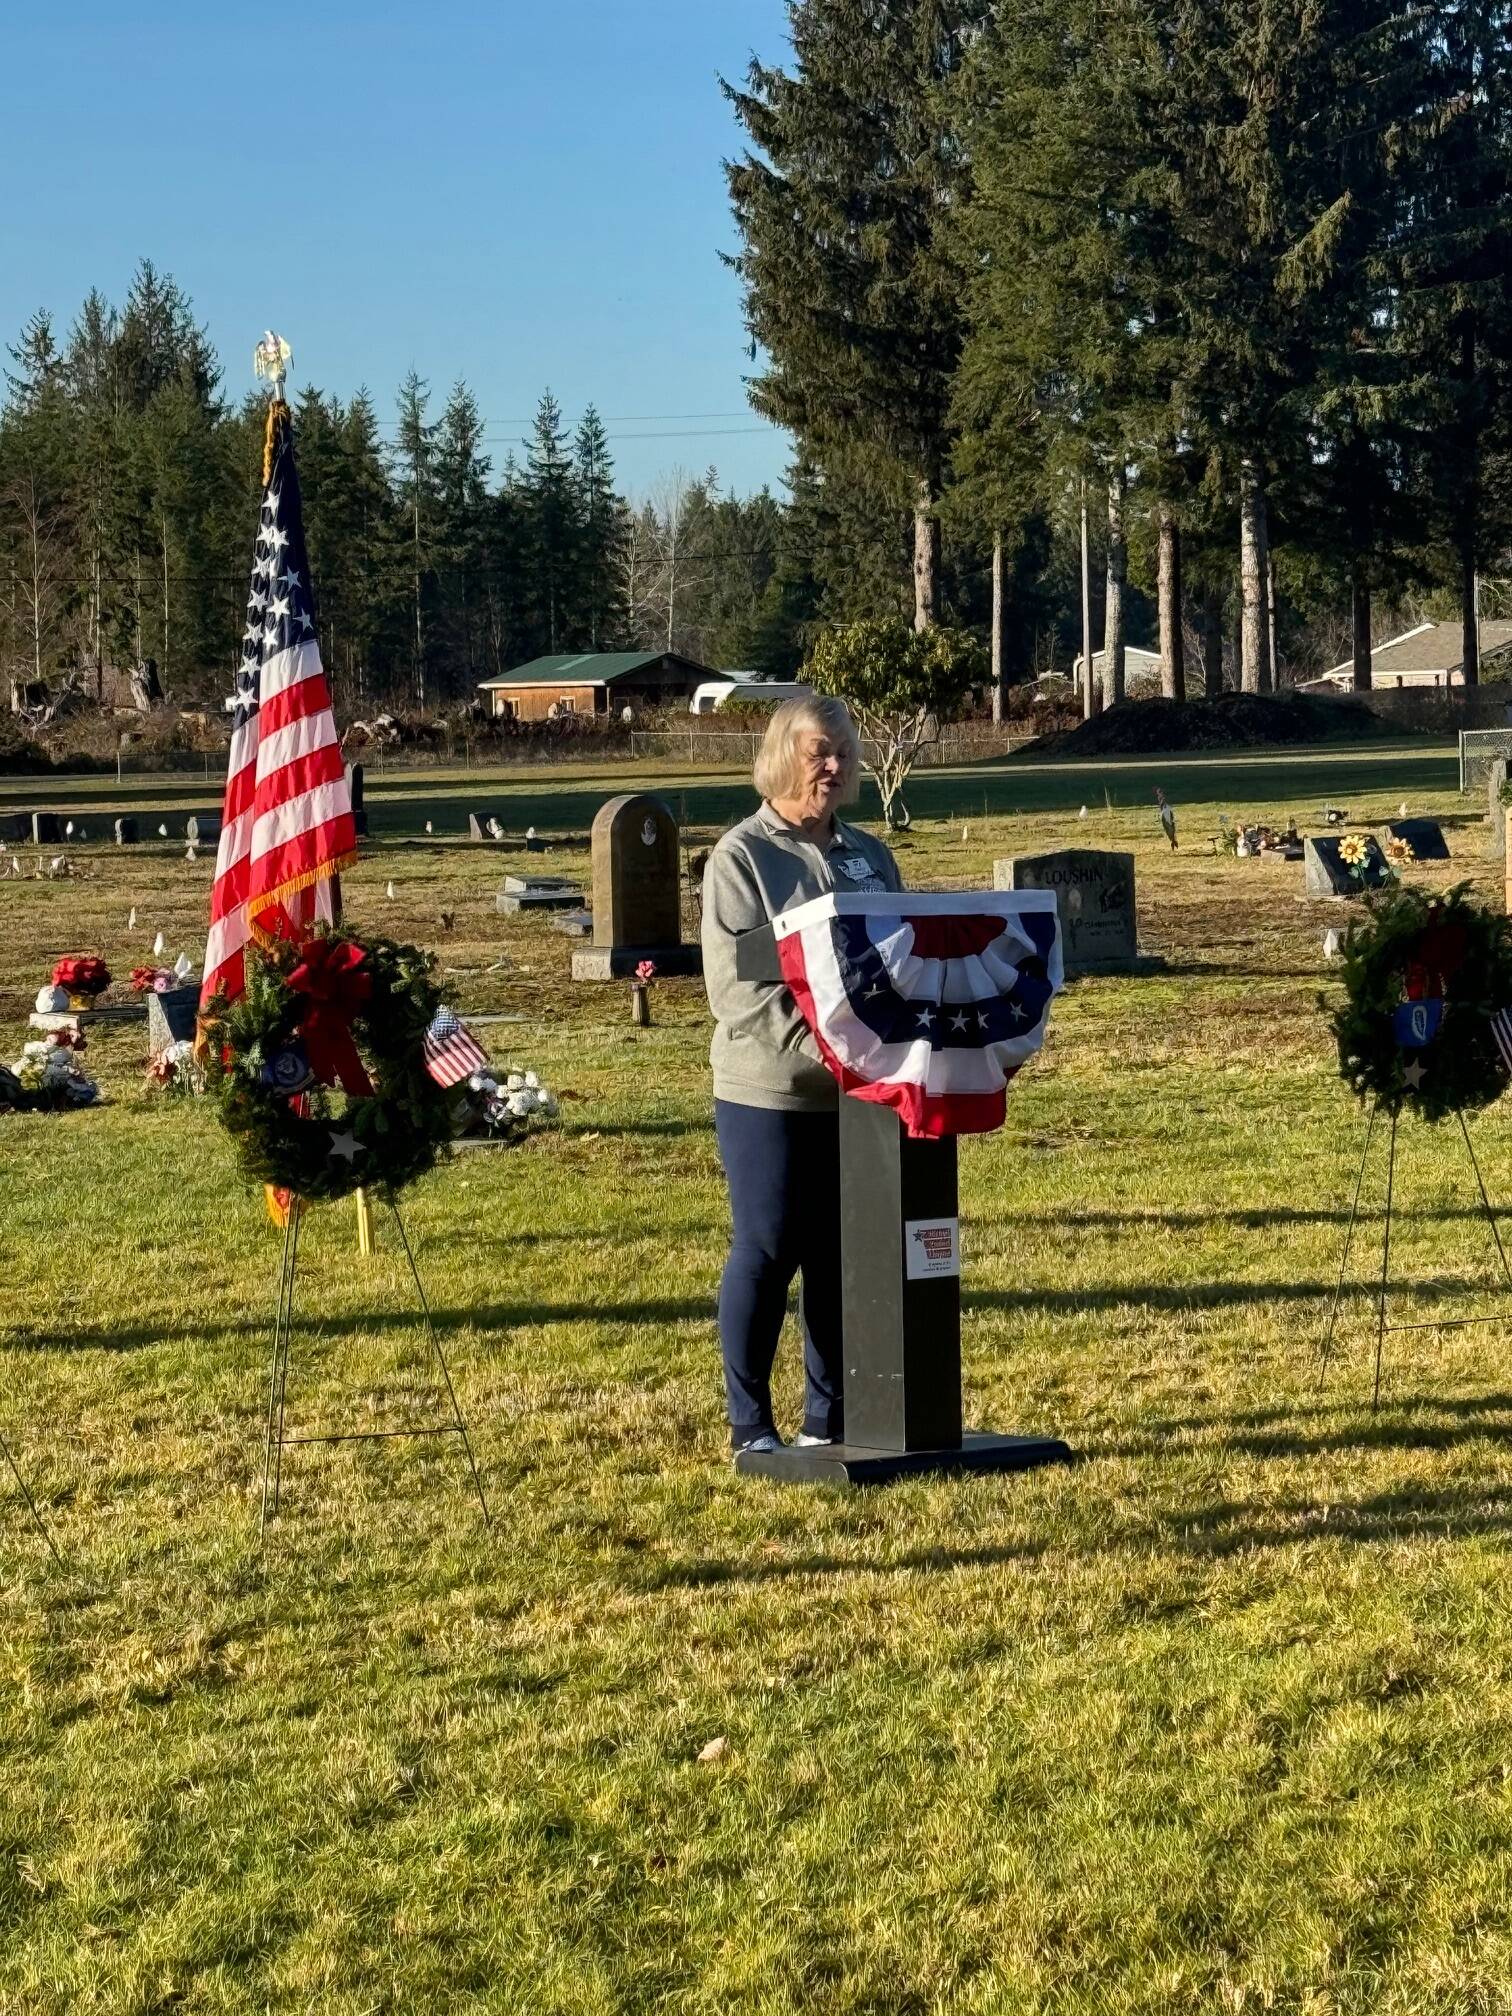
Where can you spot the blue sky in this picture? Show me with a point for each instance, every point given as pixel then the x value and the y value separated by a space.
pixel 518 195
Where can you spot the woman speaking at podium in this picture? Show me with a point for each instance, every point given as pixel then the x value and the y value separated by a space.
pixel 775 1104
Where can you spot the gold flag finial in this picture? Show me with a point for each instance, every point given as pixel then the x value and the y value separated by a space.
pixel 270 360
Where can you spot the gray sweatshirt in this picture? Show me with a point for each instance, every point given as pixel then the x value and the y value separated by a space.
pixel 763 1053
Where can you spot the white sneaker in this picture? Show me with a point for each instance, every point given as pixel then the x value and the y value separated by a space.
pixel 759 1445
pixel 813 1441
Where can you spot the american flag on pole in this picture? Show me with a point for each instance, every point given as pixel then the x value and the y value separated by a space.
pixel 451 1051
pixel 287 828
pixel 927 1003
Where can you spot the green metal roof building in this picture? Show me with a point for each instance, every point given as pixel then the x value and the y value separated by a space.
pixel 588 682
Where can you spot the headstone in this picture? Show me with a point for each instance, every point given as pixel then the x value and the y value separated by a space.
pixel 171 1018
pixel 637 893
pixel 126 832
pixel 573 923
pixel 1094 897
pixel 46 829
pixel 204 829
pixel 1496 778
pixel 1327 873
pixel 15 827
pixel 1424 836
pixel 538 892
pixel 477 825
pixel 357 786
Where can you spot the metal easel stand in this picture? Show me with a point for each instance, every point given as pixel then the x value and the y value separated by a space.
pixel 1383 1328
pixel 31 1503
pixel 278 1379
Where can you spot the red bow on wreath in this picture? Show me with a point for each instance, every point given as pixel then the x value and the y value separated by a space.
pixel 330 976
pixel 1436 958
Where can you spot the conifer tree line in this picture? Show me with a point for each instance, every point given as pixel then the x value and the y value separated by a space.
pixel 1234 277
pixel 128 496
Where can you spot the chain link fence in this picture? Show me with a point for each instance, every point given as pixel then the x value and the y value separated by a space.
pixel 735 748
pixel 1478 750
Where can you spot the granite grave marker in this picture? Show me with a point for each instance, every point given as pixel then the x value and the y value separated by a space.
pixel 357 785
pixel 1327 873
pixel 637 893
pixel 1094 898
pixel 204 829
pixel 1424 836
pixel 127 832
pixel 171 1018
pixel 538 892
pixel 46 829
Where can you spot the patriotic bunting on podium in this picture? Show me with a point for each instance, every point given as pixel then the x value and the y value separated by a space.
pixel 927 1003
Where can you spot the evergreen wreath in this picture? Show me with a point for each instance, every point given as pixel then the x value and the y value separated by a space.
pixel 318 1068
pixel 1423 975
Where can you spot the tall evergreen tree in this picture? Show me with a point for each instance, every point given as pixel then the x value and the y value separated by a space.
pixel 552 532
pixel 601 516
pixel 414 468
pixel 841 209
pixel 462 503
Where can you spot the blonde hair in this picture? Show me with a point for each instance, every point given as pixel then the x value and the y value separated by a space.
pixel 777 771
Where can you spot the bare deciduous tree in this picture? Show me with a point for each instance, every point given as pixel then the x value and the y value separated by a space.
pixel 35 602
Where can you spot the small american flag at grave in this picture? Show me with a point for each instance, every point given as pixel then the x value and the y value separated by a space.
pixel 1501 1029
pixel 452 1053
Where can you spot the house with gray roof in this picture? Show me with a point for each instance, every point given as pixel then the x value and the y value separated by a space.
pixel 1430 654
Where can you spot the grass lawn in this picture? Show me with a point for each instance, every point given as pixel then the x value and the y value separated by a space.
pixel 1219 1719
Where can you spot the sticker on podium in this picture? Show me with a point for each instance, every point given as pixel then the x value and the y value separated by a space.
pixel 932 1246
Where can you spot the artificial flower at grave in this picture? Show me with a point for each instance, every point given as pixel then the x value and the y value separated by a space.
pixel 176 1070
pixel 48 1077
pixel 504 1106
pixel 83 979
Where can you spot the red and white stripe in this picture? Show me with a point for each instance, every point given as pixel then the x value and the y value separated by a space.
pixel 959 1090
pixel 287 828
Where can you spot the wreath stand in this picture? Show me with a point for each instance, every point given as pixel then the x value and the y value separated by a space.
pixel 1383 1328
pixel 277 1439
pixel 31 1504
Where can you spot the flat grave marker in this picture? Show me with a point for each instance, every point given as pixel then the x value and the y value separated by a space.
pixel 538 892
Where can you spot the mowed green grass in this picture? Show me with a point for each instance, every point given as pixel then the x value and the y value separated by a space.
pixel 1220 1719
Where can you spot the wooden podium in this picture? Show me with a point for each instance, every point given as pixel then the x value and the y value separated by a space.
pixel 901 1305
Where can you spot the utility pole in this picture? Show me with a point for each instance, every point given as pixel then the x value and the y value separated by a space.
pixel 1086 613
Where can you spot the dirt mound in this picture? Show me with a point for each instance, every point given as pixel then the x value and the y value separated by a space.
pixel 1233 721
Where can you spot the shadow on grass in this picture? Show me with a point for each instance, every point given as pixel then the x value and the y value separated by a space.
pixel 1329 1428
pixel 328 1323
pixel 1414 1513
pixel 1194 1295
pixel 711 1574
pixel 1247 1218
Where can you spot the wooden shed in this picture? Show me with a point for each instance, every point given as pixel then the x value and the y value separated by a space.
pixel 593 682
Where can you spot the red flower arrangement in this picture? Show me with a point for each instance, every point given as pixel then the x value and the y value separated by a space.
pixel 151 979
pixel 82 978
